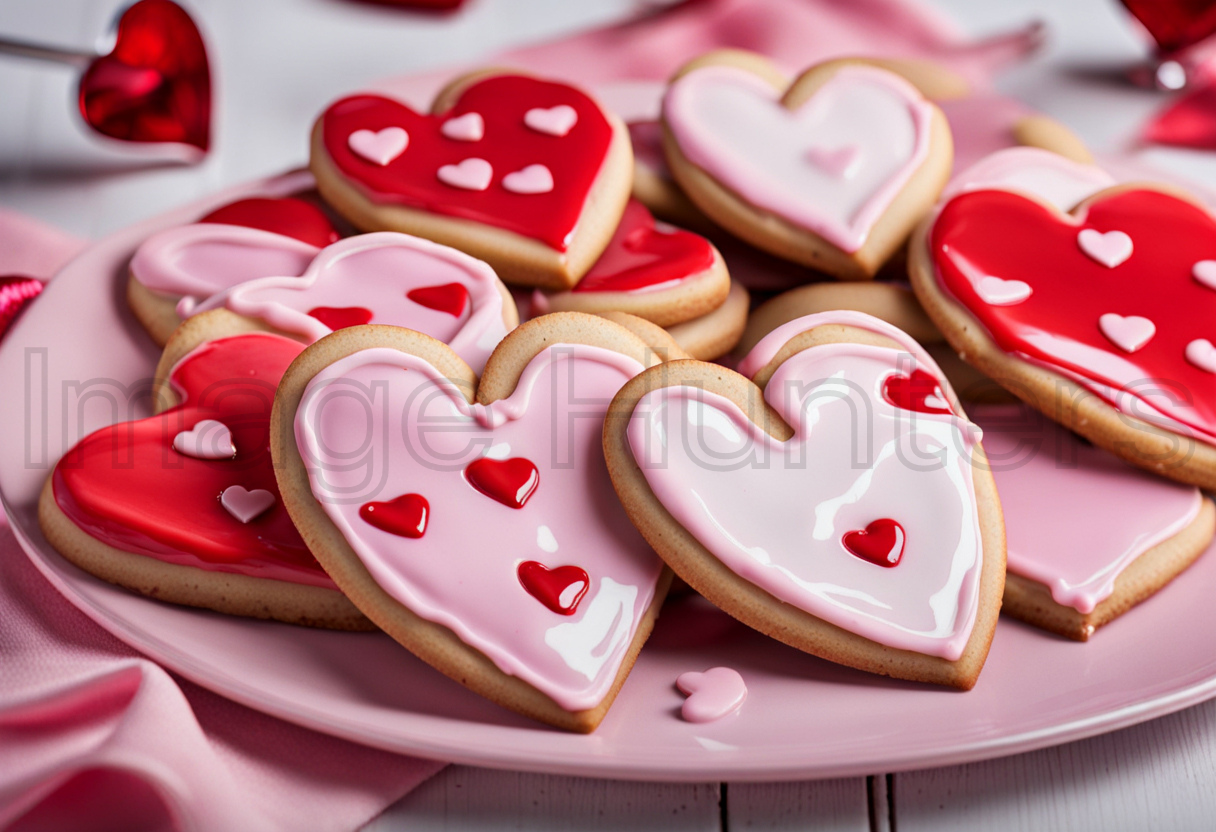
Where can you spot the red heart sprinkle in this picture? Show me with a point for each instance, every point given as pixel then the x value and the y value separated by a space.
pixel 16 291
pixel 920 392
pixel 450 297
pixel 509 481
pixel 340 317
pixel 560 589
pixel 639 255
pixel 881 542
pixel 406 515
pixel 288 216
pixel 155 86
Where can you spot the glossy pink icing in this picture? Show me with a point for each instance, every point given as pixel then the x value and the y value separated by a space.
pixel 718 692
pixel 418 435
pixel 731 124
pixel 1075 515
pixel 699 452
pixel 1033 171
pixel 376 272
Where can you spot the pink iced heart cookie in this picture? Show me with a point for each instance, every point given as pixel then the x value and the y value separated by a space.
pixel 815 506
pixel 832 171
pixel 522 578
pixel 1040 173
pixel 384 278
pixel 716 693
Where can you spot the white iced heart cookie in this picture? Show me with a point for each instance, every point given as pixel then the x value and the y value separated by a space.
pixel 833 170
pixel 481 534
pixel 832 503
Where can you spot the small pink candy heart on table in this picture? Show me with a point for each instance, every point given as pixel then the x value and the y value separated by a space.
pixel 712 695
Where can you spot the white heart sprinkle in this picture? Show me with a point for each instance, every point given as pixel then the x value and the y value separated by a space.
pixel 466 128
pixel 1127 333
pixel 1109 249
pixel 1202 354
pixel 1205 272
pixel 534 179
pixel 554 121
pixel 246 505
pixel 472 174
pixel 208 439
pixel 999 292
pixel 379 147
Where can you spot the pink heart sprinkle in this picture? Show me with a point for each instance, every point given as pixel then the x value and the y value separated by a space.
pixel 208 439
pixel 1205 272
pixel 379 147
pixel 469 127
pixel 472 174
pixel 1202 354
pixel 534 179
pixel 711 695
pixel 1109 249
pixel 1128 334
pixel 841 162
pixel 554 121
pixel 245 505
pixel 999 292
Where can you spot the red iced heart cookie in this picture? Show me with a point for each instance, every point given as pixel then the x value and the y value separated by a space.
pixel 483 158
pixel 405 516
pixel 288 216
pixel 15 292
pixel 881 542
pixel 560 589
pixel 509 481
pixel 155 86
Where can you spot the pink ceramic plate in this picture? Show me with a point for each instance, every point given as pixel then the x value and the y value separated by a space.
pixel 78 361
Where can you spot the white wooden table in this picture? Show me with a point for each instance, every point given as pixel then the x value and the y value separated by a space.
pixel 282 60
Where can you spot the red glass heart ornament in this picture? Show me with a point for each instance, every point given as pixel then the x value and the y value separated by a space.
pixel 881 543
pixel 155 86
pixel 641 255
pixel 1175 24
pixel 340 317
pixel 405 516
pixel 509 481
pixel 452 298
pixel 560 589
pixel 1187 121
pixel 16 291
pixel 288 216
pixel 920 391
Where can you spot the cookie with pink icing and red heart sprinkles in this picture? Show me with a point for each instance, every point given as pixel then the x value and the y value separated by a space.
pixel 834 496
pixel 475 522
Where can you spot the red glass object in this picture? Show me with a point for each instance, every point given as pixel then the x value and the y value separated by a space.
pixel 155 86
pixel 1187 121
pixel 1175 24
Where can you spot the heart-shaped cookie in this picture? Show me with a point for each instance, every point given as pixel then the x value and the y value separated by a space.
pixel 832 171
pixel 812 507
pixel 183 506
pixel 529 175
pixel 527 583
pixel 1104 340
pixel 384 278
pixel 657 272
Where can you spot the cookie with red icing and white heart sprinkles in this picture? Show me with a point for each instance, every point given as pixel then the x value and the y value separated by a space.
pixel 183 506
pixel 1101 317
pixel 475 522
pixel 832 170
pixel 529 175
pixel 833 496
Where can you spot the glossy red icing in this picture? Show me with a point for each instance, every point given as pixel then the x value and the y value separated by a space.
pixel 340 317
pixel 155 86
pixel 15 292
pixel 881 542
pixel 1002 234
pixel 509 145
pixel 288 216
pixel 452 298
pixel 406 515
pixel 640 256
pixel 126 486
pixel 509 481
pixel 560 589
pixel 920 391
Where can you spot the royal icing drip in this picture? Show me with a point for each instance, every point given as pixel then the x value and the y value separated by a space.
pixel 288 216
pixel 128 486
pixel 642 258
pixel 1060 326
pixel 1035 172
pixel 1075 515
pixel 417 434
pixel 377 273
pixel 698 452
pixel 573 158
pixel 731 124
